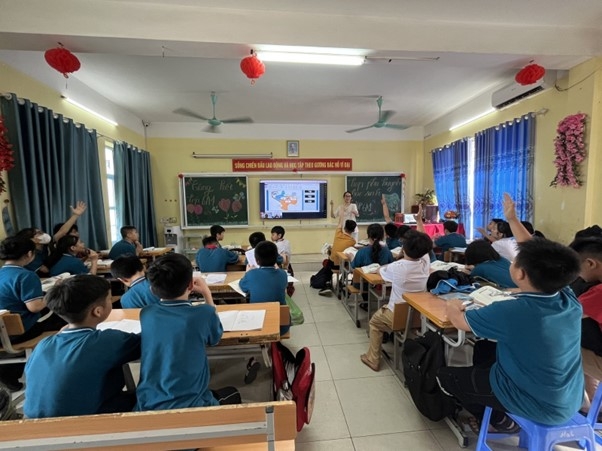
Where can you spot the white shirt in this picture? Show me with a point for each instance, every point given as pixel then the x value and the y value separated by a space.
pixel 349 212
pixel 250 256
pixel 406 276
pixel 506 247
pixel 284 247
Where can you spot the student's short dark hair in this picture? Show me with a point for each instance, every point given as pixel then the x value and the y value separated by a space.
pixel 527 225
pixel 588 247
pixel 480 251
pixel 58 226
pixel 266 253
pixel 350 225
pixel 450 226
pixel 504 228
pixel 63 246
pixel 216 230
pixel 402 230
pixel 549 266
pixel 74 297
pixel 594 230
pixel 417 244
pixel 29 233
pixel 209 240
pixel 126 229
pixel 169 276
pixel 496 220
pixel 126 266
pixel 390 229
pixel 279 230
pixel 255 238
pixel 13 248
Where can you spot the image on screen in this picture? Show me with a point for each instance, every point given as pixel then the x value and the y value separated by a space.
pixel 292 199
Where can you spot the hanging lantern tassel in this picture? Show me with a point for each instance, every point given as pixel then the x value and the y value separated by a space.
pixel 530 74
pixel 252 67
pixel 62 60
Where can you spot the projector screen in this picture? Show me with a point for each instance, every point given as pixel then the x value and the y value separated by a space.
pixel 292 199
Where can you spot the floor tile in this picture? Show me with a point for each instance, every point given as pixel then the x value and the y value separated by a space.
pixel 341 332
pixel 328 421
pixel 329 312
pixel 375 406
pixel 344 362
pixel 327 445
pixel 303 335
pixel 319 358
pixel 406 441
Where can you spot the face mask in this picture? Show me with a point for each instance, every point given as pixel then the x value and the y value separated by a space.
pixel 43 238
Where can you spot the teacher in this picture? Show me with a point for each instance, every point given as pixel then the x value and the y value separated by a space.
pixel 346 211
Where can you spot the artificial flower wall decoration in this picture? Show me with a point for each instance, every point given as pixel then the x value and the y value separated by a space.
pixel 569 146
pixel 7 161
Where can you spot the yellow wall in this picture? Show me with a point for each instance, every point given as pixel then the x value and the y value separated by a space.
pixel 558 212
pixel 173 156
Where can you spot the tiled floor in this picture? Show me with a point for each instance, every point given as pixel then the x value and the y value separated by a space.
pixel 356 408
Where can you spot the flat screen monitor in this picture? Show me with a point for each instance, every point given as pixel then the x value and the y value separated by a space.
pixel 292 199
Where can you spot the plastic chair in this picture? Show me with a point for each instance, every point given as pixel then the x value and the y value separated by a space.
pixel 540 437
pixel 594 411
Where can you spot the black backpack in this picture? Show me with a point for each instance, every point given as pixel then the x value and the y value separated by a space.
pixel 323 278
pixel 421 358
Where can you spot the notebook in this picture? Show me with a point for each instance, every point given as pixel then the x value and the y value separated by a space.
pixel 240 320
pixel 488 295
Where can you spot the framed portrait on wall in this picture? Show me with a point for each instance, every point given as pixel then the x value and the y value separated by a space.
pixel 292 148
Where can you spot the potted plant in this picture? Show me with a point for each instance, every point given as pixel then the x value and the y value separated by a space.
pixel 428 200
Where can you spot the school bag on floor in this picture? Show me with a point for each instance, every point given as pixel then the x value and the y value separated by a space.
pixel 421 358
pixel 323 277
pixel 294 378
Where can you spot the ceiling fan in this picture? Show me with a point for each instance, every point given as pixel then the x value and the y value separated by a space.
pixel 383 118
pixel 213 122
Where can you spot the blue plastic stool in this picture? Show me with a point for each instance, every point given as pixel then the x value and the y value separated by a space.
pixel 594 411
pixel 540 437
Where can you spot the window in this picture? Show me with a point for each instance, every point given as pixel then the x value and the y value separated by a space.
pixel 111 192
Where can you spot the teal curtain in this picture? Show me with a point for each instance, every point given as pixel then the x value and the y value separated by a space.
pixel 134 191
pixel 56 164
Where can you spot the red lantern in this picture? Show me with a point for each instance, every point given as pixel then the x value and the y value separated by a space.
pixel 62 60
pixel 252 67
pixel 530 74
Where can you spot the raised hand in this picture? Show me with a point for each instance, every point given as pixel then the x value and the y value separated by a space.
pixel 509 207
pixel 382 199
pixel 79 209
pixel 418 216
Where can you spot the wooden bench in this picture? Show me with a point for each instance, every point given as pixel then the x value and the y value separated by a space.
pixel 243 427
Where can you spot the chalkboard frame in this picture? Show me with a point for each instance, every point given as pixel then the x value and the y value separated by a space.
pixel 371 220
pixel 203 225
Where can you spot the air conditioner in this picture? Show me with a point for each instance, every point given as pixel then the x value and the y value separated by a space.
pixel 515 92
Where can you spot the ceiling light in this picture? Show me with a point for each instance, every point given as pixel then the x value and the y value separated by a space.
pixel 85 108
pixel 311 58
pixel 479 116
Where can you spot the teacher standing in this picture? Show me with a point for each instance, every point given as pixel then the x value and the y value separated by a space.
pixel 347 210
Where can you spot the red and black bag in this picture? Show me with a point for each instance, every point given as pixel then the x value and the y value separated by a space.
pixel 287 367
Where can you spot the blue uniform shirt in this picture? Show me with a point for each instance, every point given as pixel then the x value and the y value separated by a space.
pixel 497 271
pixel 77 372
pixel 393 243
pixel 537 373
pixel 215 259
pixel 139 295
pixel 174 371
pixel 364 257
pixel 69 263
pixel 121 248
pixel 266 284
pixel 18 286
pixel 450 240
pixel 38 260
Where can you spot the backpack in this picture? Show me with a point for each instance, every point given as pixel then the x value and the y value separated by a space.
pixel 421 358
pixel 323 278
pixel 286 368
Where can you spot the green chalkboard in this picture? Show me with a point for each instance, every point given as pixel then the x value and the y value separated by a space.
pixel 367 190
pixel 213 199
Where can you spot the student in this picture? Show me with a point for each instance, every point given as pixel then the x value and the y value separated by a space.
pixel 343 238
pixel 406 275
pixel 284 246
pixel 391 230
pixel 174 371
pixel 536 370
pixel 490 232
pixel 217 232
pixel 590 253
pixel 450 237
pixel 212 258
pixel 266 283
pixel 129 270
pixel 79 371
pixel 64 257
pixel 483 261
pixel 347 210
pixel 532 230
pixel 375 252
pixel 21 293
pixel 73 231
pixel 505 243
pixel 129 243
pixel 254 239
pixel 579 286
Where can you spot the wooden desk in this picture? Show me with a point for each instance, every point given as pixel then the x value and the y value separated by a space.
pixel 150 254
pixel 268 334
pixel 223 287
pixel 239 265
pixel 373 279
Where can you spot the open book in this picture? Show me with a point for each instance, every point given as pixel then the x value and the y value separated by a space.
pixel 351 251
pixel 239 320
pixel 124 325
pixel 47 284
pixel 372 268
pixel 487 295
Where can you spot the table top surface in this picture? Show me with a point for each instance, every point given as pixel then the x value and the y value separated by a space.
pixel 269 333
pixel 372 278
pixel 429 305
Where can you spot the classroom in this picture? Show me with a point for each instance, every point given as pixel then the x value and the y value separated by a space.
pixel 421 61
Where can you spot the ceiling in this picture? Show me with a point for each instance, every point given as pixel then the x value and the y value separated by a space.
pixel 150 57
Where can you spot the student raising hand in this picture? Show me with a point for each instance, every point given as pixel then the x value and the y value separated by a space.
pixel 518 229
pixel 79 209
pixel 509 207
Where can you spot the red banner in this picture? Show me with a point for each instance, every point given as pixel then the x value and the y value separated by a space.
pixel 292 165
